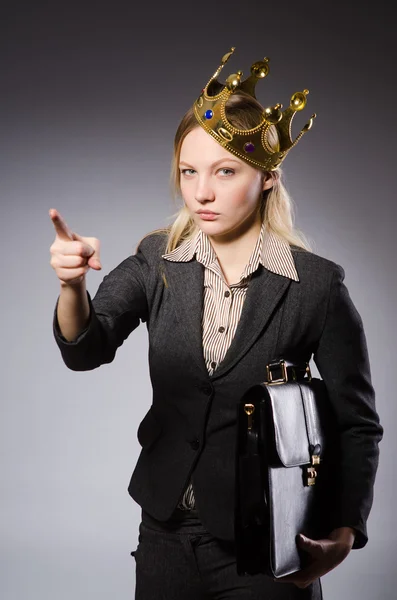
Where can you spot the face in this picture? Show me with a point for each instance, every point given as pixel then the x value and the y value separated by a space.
pixel 213 179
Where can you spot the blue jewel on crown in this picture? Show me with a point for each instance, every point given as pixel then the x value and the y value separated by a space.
pixel 208 114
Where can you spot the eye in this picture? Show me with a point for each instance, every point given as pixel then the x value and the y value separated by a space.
pixel 227 172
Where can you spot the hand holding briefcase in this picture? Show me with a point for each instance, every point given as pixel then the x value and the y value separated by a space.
pixel 286 469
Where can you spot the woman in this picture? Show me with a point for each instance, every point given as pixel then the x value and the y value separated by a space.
pixel 227 288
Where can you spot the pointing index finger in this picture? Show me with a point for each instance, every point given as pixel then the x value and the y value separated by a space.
pixel 61 227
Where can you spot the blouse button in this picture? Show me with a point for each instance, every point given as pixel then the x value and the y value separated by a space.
pixel 221 329
pixel 227 294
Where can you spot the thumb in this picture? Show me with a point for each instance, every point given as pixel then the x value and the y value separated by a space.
pixel 307 543
pixel 94 260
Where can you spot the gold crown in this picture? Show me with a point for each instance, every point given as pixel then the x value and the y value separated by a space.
pixel 251 145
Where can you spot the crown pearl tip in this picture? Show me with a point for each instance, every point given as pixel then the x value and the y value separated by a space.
pixel 298 101
pixel 233 81
pixel 273 115
pixel 260 69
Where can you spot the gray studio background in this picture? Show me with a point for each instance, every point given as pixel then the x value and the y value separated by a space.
pixel 90 99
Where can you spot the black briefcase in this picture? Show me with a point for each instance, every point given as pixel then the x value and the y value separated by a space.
pixel 287 458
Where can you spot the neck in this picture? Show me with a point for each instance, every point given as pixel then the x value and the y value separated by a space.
pixel 236 246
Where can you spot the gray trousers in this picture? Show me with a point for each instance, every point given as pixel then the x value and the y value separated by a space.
pixel 180 560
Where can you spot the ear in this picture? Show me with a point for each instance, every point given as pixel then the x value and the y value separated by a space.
pixel 267 181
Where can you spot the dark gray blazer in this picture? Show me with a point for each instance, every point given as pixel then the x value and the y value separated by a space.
pixel 190 428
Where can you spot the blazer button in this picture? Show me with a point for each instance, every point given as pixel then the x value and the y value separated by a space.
pixel 195 444
pixel 206 389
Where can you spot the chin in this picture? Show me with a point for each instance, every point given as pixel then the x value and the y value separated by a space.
pixel 210 226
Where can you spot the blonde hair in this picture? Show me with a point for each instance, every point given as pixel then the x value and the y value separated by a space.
pixel 276 209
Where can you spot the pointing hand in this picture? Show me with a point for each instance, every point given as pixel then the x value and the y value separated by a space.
pixel 71 254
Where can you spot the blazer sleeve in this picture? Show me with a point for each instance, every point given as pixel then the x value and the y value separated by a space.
pixel 342 360
pixel 116 310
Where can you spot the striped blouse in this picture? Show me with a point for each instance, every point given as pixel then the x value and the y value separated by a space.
pixel 223 303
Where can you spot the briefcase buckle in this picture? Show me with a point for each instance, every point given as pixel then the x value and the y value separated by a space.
pixel 279 365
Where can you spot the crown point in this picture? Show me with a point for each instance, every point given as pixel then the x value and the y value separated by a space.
pixel 308 125
pixel 226 56
pixel 306 92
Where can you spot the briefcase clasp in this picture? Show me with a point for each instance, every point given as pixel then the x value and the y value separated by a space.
pixel 249 409
pixel 311 472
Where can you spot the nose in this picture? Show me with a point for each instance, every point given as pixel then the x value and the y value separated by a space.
pixel 204 190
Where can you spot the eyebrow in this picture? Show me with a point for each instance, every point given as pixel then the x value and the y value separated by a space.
pixel 213 164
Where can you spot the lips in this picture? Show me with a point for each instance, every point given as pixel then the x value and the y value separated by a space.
pixel 206 212
pixel 207 216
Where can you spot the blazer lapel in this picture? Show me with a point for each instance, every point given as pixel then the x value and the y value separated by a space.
pixel 186 284
pixel 264 292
